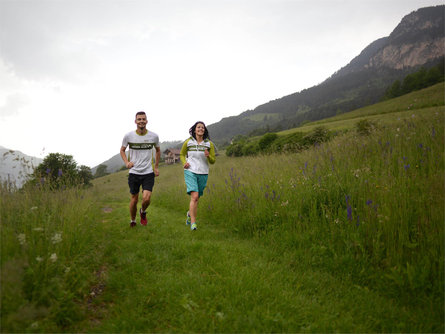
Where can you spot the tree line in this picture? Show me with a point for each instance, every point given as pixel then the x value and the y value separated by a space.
pixel 415 81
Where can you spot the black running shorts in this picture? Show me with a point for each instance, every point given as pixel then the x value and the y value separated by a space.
pixel 135 182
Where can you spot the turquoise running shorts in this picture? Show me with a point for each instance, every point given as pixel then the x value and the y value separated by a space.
pixel 195 182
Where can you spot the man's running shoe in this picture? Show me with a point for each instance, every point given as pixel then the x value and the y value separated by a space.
pixel 143 217
pixel 132 224
pixel 188 220
pixel 193 227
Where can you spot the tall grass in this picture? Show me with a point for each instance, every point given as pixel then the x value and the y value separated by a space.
pixel 50 249
pixel 369 207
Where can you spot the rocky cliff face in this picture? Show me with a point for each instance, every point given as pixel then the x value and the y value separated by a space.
pixel 418 39
pixel 408 55
pixel 16 166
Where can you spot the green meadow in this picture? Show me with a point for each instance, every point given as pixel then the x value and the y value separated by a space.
pixel 347 236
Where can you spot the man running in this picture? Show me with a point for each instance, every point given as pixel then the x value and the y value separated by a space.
pixel 141 144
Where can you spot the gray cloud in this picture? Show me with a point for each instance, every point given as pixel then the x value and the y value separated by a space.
pixel 13 104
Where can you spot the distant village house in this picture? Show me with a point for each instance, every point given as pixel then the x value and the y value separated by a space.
pixel 171 155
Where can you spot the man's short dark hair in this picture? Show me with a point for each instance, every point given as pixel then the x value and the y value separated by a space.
pixel 140 113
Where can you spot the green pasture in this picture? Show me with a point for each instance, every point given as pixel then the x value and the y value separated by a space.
pixel 347 236
pixel 386 112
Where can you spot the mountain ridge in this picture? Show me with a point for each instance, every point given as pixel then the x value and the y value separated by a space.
pixel 15 166
pixel 416 41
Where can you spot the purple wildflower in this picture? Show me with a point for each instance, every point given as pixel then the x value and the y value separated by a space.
pixel 349 211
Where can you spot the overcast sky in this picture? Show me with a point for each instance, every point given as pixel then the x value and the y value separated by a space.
pixel 74 73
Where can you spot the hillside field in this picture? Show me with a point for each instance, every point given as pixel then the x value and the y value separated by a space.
pixel 347 236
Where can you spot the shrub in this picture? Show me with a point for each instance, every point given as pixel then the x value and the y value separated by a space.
pixel 60 171
pixel 317 136
pixel 266 140
pixel 364 127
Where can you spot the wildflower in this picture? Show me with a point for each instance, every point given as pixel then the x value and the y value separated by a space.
pixel 53 257
pixel 407 166
pixel 368 202
pixel 285 203
pixel 220 315
pixel 22 238
pixel 349 211
pixel 48 170
pixel 56 238
pixel 34 208
pixel 39 259
pixel 38 229
pixel 60 173
pixel 67 269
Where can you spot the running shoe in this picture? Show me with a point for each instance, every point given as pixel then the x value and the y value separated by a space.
pixel 188 220
pixel 193 227
pixel 132 224
pixel 143 217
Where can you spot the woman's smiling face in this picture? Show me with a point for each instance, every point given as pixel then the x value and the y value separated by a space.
pixel 200 129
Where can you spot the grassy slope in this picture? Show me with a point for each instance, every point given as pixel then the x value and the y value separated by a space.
pixel 386 112
pixel 166 278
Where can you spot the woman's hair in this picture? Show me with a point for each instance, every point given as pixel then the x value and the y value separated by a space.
pixel 192 130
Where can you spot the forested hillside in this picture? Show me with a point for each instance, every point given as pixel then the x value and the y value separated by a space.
pixel 417 41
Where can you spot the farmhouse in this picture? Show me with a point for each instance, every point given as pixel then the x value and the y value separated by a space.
pixel 171 155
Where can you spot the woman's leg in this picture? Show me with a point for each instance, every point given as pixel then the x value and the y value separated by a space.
pixel 194 198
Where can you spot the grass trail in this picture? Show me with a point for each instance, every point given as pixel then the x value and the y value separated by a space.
pixel 166 278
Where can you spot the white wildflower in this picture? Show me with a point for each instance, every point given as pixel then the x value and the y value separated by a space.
pixel 67 269
pixel 34 208
pixel 56 238
pixel 22 238
pixel 39 259
pixel 53 257
pixel 285 203
pixel 38 229
pixel 220 315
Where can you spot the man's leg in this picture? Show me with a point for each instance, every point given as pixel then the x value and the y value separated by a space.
pixel 146 196
pixel 133 206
